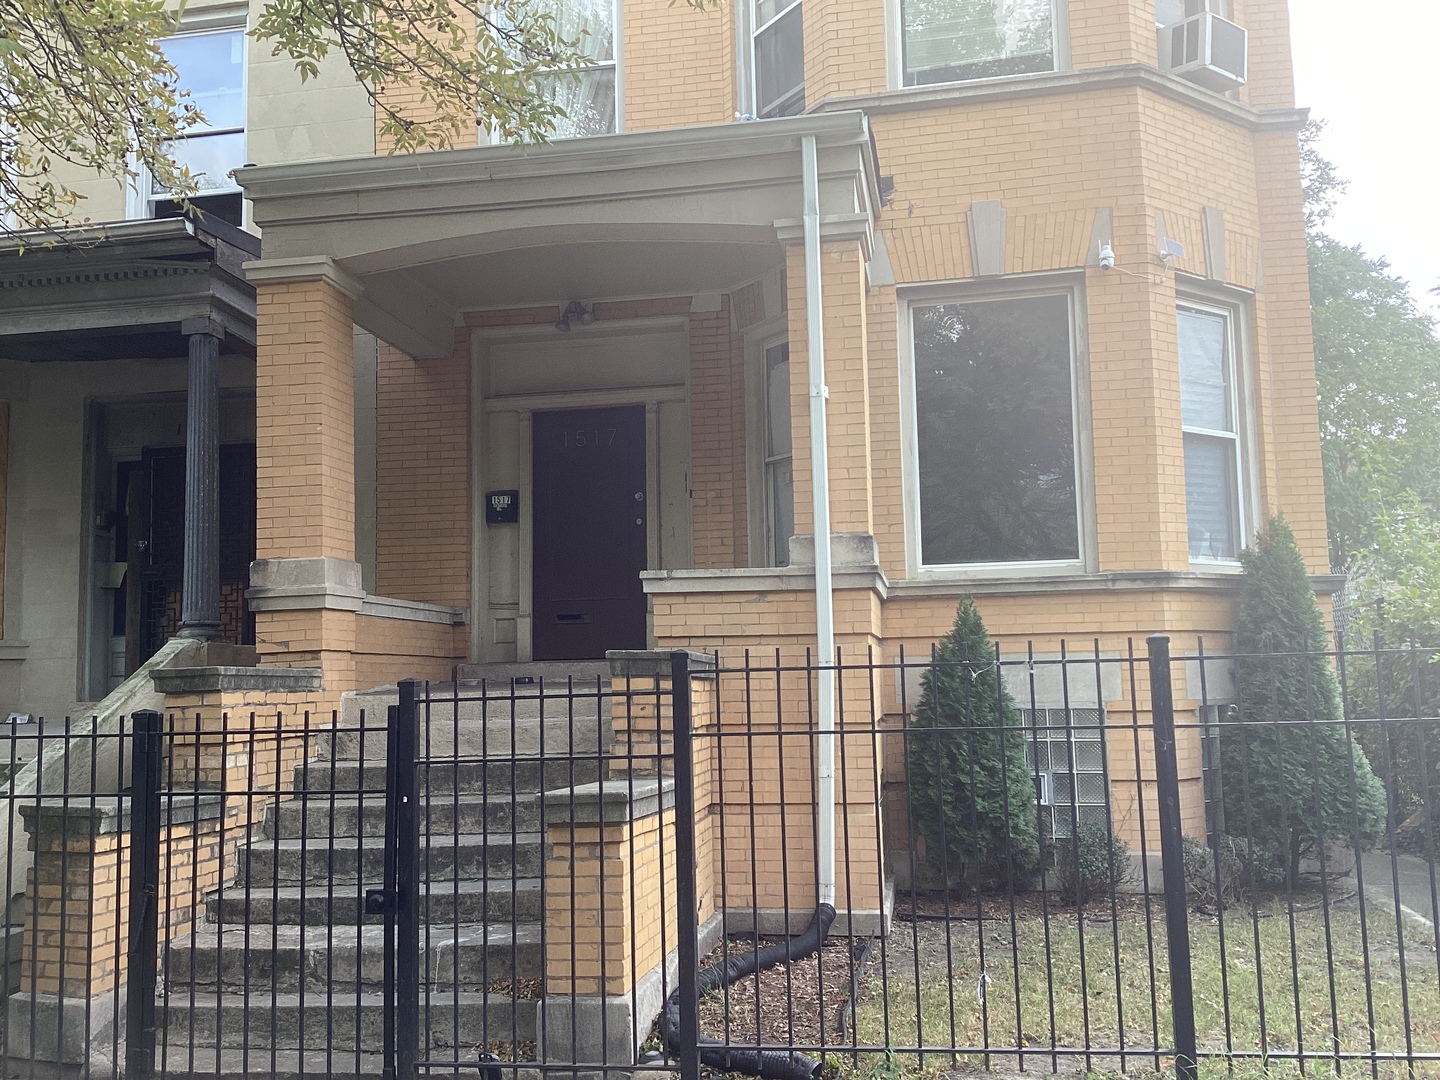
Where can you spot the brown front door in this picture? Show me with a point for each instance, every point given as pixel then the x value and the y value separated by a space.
pixel 588 475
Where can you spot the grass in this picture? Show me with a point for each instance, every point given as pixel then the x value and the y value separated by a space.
pixel 922 990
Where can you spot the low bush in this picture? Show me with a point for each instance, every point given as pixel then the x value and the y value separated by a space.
pixel 1091 863
pixel 1223 874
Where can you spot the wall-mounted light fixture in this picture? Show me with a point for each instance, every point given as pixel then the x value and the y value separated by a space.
pixel 577 311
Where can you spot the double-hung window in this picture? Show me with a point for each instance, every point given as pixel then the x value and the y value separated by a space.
pixel 946 41
pixel 994 415
pixel 211 67
pixel 779 459
pixel 778 51
pixel 586 95
pixel 1209 411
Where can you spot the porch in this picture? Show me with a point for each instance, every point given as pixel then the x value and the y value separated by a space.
pixel 640 291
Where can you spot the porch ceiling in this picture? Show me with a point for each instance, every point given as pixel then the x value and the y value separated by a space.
pixel 419 239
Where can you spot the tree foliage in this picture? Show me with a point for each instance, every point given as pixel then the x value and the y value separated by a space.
pixel 972 792
pixel 1377 366
pixel 1292 776
pixel 84 82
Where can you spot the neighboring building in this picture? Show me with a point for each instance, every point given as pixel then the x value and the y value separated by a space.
pixel 444 476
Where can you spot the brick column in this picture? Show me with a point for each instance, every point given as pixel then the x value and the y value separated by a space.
pixel 609 918
pixel 305 584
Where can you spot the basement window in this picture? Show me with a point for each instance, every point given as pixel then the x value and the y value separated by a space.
pixel 1066 755
pixel 211 67
pixel 946 41
pixel 994 477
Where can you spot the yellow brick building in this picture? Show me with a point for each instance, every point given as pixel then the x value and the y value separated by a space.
pixel 527 404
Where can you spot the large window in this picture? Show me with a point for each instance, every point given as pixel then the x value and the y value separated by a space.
pixel 211 67
pixel 779 58
pixel 586 95
pixel 995 431
pixel 958 40
pixel 779 460
pixel 1208 408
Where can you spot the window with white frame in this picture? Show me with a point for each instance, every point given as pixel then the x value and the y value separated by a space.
pixel 1170 12
pixel 1209 413
pixel 995 431
pixel 779 459
pixel 211 68
pixel 1066 755
pixel 778 57
pixel 946 41
pixel 586 95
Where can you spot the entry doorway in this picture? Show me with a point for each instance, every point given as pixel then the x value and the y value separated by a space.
pixel 590 512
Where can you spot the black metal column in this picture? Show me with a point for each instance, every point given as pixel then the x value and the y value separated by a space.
pixel 1172 858
pixel 143 947
pixel 687 929
pixel 200 603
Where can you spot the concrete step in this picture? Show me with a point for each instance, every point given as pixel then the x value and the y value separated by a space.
pixel 568 728
pixel 258 959
pixel 549 672
pixel 467 857
pixel 347 815
pixel 345 1022
pixel 521 775
pixel 498 901
pixel 183 1061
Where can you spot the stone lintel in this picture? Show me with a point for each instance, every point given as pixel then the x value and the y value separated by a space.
pixel 211 680
pixel 612 802
pixel 655 663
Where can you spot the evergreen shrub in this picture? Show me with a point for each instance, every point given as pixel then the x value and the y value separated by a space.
pixel 1090 863
pixel 972 793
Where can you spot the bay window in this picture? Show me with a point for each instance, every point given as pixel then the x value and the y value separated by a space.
pixel 1209 415
pixel 994 416
pixel 946 41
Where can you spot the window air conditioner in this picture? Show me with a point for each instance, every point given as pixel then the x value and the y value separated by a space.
pixel 1205 49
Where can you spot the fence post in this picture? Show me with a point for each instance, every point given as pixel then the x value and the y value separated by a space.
pixel 1172 856
pixel 407 885
pixel 382 901
pixel 687 918
pixel 144 944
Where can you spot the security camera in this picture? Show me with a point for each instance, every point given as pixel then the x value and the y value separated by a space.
pixel 1107 258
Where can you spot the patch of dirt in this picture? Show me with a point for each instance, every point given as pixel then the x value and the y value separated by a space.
pixel 519 989
pixel 787 1005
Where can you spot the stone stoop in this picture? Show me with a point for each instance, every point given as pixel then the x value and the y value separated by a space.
pixel 284 976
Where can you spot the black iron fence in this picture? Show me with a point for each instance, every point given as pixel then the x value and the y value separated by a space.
pixel 1115 860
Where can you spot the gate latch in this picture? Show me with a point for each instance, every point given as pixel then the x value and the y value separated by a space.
pixel 380 901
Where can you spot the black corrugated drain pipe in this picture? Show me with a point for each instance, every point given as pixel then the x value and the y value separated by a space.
pixel 767 1064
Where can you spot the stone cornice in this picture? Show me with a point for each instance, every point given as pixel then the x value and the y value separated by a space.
pixel 1089 80
pixel 304 268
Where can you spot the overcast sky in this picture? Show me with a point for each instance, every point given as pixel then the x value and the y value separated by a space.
pixel 1372 72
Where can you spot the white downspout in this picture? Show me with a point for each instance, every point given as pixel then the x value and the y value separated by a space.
pixel 820 476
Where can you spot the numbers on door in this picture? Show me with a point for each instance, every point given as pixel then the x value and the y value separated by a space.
pixel 588 438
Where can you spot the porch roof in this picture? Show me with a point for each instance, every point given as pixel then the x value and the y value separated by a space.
pixel 123 291
pixel 418 239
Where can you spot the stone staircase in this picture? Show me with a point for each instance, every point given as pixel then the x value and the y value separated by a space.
pixel 284 976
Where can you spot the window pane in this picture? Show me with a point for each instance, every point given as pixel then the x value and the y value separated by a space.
pixel 210 158
pixel 955 40
pixel 212 68
pixel 587 98
pixel 1204 371
pixel 592 22
pixel 777 401
pixel 995 430
pixel 780 479
pixel 780 67
pixel 1210 497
